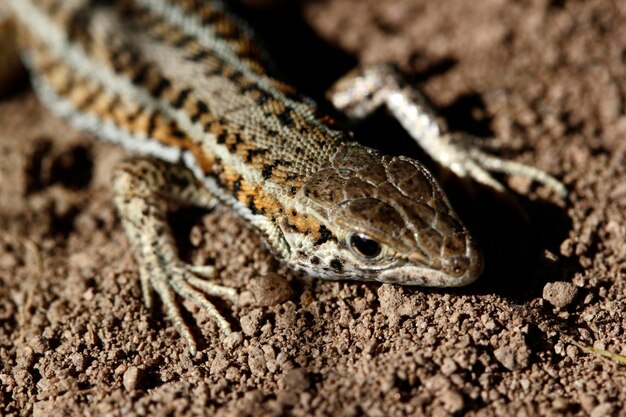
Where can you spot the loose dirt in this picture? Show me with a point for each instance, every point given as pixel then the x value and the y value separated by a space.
pixel 75 338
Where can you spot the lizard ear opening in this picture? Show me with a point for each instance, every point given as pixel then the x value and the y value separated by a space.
pixel 363 247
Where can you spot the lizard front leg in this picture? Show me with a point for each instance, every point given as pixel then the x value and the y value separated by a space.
pixel 365 89
pixel 142 188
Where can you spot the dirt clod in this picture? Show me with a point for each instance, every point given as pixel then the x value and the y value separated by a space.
pixel 510 358
pixel 560 294
pixel 271 289
pixel 132 378
pixel 603 410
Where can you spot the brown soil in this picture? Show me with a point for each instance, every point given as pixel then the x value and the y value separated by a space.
pixel 75 338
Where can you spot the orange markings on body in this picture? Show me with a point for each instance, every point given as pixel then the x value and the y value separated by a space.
pixel 205 161
pixel 304 224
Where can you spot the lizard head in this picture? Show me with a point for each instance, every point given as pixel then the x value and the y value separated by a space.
pixel 389 221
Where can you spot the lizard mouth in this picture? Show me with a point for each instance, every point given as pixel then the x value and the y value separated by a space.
pixel 455 271
pixel 417 275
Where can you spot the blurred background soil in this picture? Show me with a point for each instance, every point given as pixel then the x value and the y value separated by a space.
pixel 75 338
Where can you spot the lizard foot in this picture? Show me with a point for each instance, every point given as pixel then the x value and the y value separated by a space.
pixel 186 281
pixel 459 153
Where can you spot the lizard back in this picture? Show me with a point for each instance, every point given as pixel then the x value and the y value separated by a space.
pixel 180 81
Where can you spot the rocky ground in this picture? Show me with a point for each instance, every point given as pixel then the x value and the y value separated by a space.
pixel 526 339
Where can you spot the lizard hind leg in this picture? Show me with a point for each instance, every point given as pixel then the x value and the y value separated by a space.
pixel 142 189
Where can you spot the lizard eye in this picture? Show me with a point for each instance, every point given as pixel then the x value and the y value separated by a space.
pixel 364 247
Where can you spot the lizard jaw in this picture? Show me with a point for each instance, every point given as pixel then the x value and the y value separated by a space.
pixel 414 274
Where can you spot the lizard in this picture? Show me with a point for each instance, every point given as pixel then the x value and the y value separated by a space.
pixel 185 84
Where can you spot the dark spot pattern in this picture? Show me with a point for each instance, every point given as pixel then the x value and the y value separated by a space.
pixel 337 265
pixel 285 118
pixel 182 97
pixel 236 187
pixel 160 87
pixel 251 153
pixel 251 206
pixel 325 235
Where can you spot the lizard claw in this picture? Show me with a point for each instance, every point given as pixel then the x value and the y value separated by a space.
pixel 470 161
pixel 183 280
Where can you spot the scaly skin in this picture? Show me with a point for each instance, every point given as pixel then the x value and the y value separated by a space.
pixel 184 82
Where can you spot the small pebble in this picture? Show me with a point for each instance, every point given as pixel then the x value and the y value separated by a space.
pixel 587 403
pixel 452 401
pixel 233 340
pixel 603 410
pixel 560 404
pixel 251 322
pixel 271 289
pixel 39 344
pixel 449 366
pixel 506 357
pixel 256 361
pixel 512 357
pixel 132 378
pixel 297 380
pixel 560 294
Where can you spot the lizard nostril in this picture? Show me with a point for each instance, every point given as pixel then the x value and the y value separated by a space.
pixel 456 266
